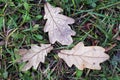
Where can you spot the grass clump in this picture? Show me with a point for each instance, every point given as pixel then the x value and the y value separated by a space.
pixel 21 24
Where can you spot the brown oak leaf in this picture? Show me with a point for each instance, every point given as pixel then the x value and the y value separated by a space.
pixel 57 25
pixel 84 57
pixel 35 55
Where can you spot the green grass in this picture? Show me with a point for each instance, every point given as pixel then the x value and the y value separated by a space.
pixel 21 24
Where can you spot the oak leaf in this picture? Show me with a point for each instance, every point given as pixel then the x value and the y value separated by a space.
pixel 84 57
pixel 57 25
pixel 35 55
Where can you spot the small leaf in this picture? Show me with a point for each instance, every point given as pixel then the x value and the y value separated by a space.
pixel 78 73
pixel 35 55
pixel 35 28
pixel 26 5
pixel 26 17
pixel 39 37
pixel 84 57
pixel 39 16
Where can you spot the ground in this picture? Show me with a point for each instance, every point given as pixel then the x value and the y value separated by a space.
pixel 97 22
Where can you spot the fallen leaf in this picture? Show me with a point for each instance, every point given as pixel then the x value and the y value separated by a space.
pixel 57 25
pixel 84 57
pixel 35 55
